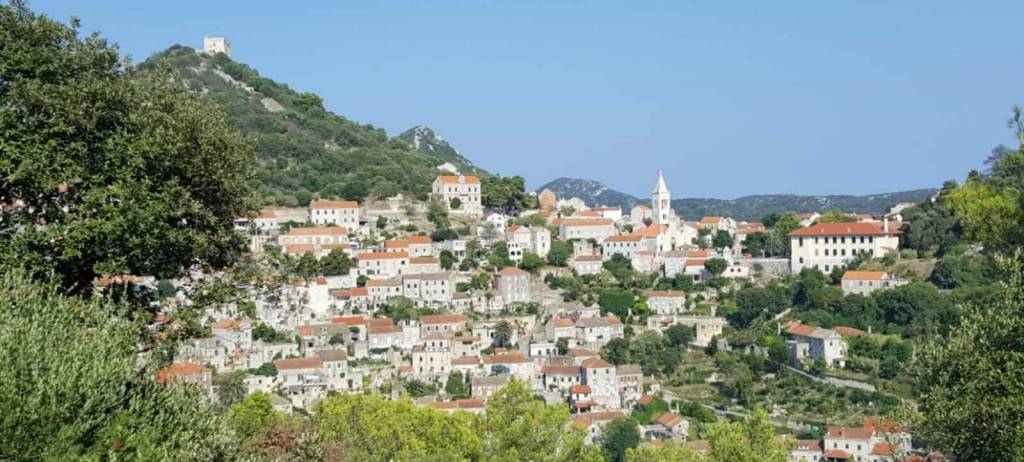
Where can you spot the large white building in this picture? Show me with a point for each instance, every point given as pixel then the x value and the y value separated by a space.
pixel 465 188
pixel 827 245
pixel 341 213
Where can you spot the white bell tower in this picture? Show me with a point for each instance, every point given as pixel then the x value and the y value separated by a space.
pixel 661 202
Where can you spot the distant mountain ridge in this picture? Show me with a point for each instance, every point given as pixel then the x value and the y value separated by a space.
pixel 748 208
pixel 427 142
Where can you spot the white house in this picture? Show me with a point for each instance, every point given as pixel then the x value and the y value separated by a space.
pixel 338 213
pixel 465 188
pixel 866 282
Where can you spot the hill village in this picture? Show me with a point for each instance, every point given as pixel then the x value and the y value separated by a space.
pixel 480 320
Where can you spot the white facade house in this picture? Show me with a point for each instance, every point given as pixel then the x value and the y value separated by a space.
pixel 513 285
pixel 597 229
pixel 382 264
pixel 866 282
pixel 338 213
pixel 826 246
pixel 815 342
pixel 465 188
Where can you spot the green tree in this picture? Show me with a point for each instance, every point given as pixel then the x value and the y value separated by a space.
pixel 230 387
pixel 443 234
pixel 716 266
pixel 778 244
pixel 722 239
pixel 335 263
pixel 618 436
pixel 129 174
pixel 503 334
pixel 531 262
pixel 619 266
pixel 437 213
pixel 616 301
pixel 664 453
pixel 446 259
pixel 752 441
pixel 455 203
pixel 970 381
pixel 382 222
pixel 250 416
pixel 517 427
pixel 456 385
pixel 98 404
pixel 563 345
pixel 371 428
pixel 559 253
pixel 756 244
pixel 679 335
pixel 616 351
pixel 835 216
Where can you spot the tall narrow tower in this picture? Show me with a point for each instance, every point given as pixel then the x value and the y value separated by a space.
pixel 661 202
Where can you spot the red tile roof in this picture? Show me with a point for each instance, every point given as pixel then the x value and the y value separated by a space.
pixel 837 454
pixel 350 320
pixel 851 433
pixel 849 331
pixel 455 179
pixel 594 363
pixel 863 275
pixel 796 328
pixel 419 239
pixel 844 229
pixel 586 222
pixel 318 230
pixel 322 204
pixel 382 255
pixel 505 358
pixel 298 363
pixel 169 373
pixel 664 293
pixel 443 318
pixel 511 271
pixel 625 238
pixel 232 324
pixel 560 370
pixel 580 389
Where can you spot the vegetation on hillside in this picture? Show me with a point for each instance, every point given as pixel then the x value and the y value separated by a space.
pixel 302 150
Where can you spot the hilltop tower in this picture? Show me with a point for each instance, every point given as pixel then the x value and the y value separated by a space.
pixel 214 45
pixel 661 202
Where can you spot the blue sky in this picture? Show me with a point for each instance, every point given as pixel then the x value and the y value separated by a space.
pixel 728 98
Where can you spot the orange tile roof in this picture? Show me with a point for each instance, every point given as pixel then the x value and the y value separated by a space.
pixel 360 291
pixel 594 363
pixel 845 229
pixel 396 244
pixel 851 433
pixel 350 320
pixel 380 330
pixel 382 255
pixel 849 331
pixel 625 238
pixel 837 454
pixel 669 419
pixel 443 318
pixel 323 204
pixel 505 358
pixel 419 240
pixel 645 400
pixel 305 331
pixel 318 230
pixel 560 370
pixel 651 231
pixel 586 222
pixel 169 373
pixel 664 293
pixel 563 322
pixel 581 352
pixel 468 403
pixel 511 271
pixel 697 253
pixel 298 363
pixel 299 248
pixel 587 258
pixel 383 282
pixel 710 220
pixel 232 324
pixel 807 445
pixel 266 214
pixel 423 260
pixel 863 275
pixel 466 361
pixel 454 179
pixel 580 389
pixel 796 328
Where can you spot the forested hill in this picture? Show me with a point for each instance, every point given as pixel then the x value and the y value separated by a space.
pixel 748 208
pixel 426 141
pixel 301 148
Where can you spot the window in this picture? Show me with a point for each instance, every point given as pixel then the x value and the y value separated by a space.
pixel 801 242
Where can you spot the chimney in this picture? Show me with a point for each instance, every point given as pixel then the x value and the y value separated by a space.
pixel 885 224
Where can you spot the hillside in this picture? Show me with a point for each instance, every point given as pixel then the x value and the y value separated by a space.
pixel 302 149
pixel 427 142
pixel 744 208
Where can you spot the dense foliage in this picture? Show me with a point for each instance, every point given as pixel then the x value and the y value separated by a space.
pixel 128 174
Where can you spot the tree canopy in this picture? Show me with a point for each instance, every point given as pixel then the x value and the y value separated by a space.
pixel 124 173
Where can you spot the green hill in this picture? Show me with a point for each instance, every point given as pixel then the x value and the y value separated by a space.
pixel 424 140
pixel 302 149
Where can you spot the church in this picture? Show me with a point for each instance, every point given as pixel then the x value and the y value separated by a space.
pixel 661 221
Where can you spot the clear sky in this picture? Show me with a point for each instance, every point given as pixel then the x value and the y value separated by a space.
pixel 728 98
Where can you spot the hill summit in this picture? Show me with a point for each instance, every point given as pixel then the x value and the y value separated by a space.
pixel 302 149
pixel 428 142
